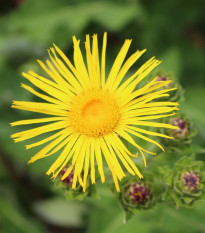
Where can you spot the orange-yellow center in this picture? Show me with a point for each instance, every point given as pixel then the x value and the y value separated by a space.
pixel 94 113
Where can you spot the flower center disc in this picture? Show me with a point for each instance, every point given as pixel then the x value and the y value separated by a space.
pixel 94 113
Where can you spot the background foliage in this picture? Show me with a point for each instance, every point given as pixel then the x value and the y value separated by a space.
pixel 171 30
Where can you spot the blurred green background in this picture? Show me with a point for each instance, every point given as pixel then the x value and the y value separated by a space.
pixel 171 30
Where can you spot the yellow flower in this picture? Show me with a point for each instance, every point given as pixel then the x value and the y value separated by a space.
pixel 93 112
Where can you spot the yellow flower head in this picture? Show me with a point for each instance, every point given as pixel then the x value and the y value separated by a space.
pixel 92 113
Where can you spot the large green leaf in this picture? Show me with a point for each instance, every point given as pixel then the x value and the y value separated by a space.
pixel 61 212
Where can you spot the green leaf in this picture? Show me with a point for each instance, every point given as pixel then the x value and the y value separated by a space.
pixel 61 212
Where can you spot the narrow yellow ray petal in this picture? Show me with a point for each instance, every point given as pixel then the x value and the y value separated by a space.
pixel 95 55
pixel 143 118
pixel 131 60
pixel 65 71
pixel 98 156
pixel 81 157
pixel 64 155
pixel 78 154
pixel 67 173
pixel 146 104
pixel 62 73
pixel 27 134
pixel 103 60
pixel 39 105
pixel 116 136
pixel 45 140
pixel 149 132
pixel 60 87
pixel 118 63
pixel 114 158
pixel 57 75
pixel 90 63
pixel 65 58
pixel 42 96
pixel 70 154
pixel 134 104
pixel 35 121
pixel 136 93
pixel 159 85
pixel 155 95
pixel 111 163
pixel 43 153
pixel 146 72
pixel 43 80
pixel 116 181
pixel 63 143
pixel 92 162
pixel 78 145
pixel 137 73
pixel 80 180
pixel 49 72
pixel 49 112
pixel 148 111
pixel 155 104
pixel 155 124
pixel 86 167
pixel 117 143
pixel 79 163
pixel 119 154
pixel 112 168
pixel 127 95
pixel 144 159
pixel 47 88
pixel 128 138
pixel 80 65
pixel 144 137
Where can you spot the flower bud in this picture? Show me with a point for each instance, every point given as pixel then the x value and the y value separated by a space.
pixel 185 181
pixel 164 78
pixel 137 194
pixel 181 136
pixel 190 181
pixel 183 128
pixel 69 179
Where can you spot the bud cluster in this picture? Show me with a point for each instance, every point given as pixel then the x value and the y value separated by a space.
pixel 186 181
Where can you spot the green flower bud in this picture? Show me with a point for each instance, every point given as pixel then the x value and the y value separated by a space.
pixel 183 128
pixel 137 194
pixel 190 182
pixel 65 187
pixel 164 78
pixel 176 94
pixel 182 135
